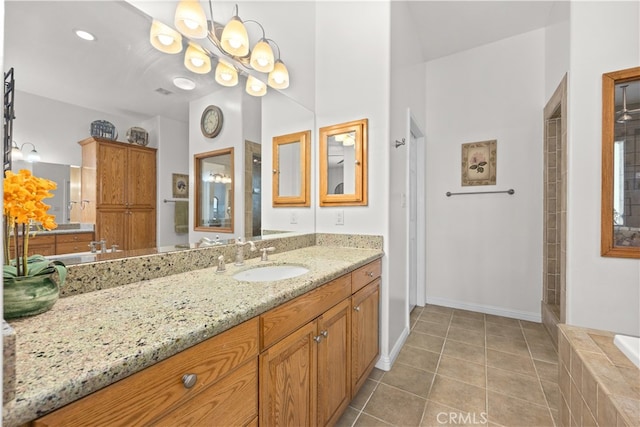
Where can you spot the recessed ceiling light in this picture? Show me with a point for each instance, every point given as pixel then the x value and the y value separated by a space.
pixel 184 83
pixel 85 35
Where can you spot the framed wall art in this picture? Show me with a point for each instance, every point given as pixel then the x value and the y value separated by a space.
pixel 479 163
pixel 180 186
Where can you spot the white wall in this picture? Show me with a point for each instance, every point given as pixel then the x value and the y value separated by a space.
pixel 484 252
pixel 282 116
pixel 172 139
pixel 352 85
pixel 602 293
pixel 230 102
pixel 556 47
pixel 55 127
pixel 407 94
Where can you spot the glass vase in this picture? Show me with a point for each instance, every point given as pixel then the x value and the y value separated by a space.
pixel 29 295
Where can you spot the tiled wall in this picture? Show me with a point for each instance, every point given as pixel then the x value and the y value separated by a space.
pixel 553 227
pixel 599 386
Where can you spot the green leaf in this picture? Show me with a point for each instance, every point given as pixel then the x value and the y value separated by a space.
pixel 482 164
pixel 473 167
pixel 39 265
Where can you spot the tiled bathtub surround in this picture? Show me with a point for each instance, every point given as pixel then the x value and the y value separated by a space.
pixel 599 386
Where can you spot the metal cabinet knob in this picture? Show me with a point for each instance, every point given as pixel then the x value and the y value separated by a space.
pixel 356 308
pixel 189 380
pixel 317 338
pixel 325 333
pixel 370 273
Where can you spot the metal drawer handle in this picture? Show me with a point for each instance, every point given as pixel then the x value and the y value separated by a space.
pixel 189 380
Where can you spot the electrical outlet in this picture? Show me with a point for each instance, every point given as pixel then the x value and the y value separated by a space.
pixel 340 217
pixel 294 218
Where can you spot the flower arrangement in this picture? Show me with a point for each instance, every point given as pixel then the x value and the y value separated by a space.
pixel 23 209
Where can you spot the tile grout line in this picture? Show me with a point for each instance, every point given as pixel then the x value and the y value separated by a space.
pixel 538 375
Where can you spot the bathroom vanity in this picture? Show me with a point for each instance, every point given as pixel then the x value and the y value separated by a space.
pixel 198 346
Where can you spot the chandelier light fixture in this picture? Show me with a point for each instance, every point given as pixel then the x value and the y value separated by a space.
pixel 17 154
pixel 232 52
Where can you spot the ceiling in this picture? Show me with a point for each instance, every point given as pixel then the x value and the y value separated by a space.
pixel 120 72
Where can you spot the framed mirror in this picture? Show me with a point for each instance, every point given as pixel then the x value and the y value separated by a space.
pixel 343 164
pixel 620 214
pixel 214 191
pixel 291 169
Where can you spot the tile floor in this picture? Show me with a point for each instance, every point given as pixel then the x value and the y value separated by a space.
pixel 461 367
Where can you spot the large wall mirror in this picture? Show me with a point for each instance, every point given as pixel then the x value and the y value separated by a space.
pixel 121 78
pixel 343 164
pixel 621 164
pixel 291 169
pixel 214 191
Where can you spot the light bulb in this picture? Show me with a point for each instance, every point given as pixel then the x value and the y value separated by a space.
pixel 165 38
pixel 255 87
pixel 190 19
pixel 234 39
pixel 196 60
pixel 279 77
pixel 262 57
pixel 226 75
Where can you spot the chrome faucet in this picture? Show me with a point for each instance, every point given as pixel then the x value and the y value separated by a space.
pixel 240 250
pixel 103 246
pixel 264 251
pixel 221 267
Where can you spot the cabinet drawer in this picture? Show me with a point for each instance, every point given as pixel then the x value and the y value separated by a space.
pixel 365 274
pixel 281 321
pixel 74 238
pixel 72 247
pixel 232 401
pixel 158 389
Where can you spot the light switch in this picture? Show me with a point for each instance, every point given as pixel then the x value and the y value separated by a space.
pixel 294 218
pixel 340 217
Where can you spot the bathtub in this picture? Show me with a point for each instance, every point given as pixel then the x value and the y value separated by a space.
pixel 630 346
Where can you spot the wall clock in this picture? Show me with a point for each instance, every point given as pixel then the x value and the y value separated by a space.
pixel 211 121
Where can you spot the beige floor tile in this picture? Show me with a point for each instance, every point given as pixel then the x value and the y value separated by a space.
pixel 348 417
pixel 431 328
pixel 469 314
pixel 544 352
pixel 365 420
pixel 365 392
pixel 418 358
pixel 376 374
pixel 515 385
pixel 458 395
pixel 537 337
pixel 409 379
pixel 438 415
pixel 395 406
pixel 462 370
pixel 466 335
pixel 527 325
pixel 508 345
pixel 438 309
pixel 552 393
pixel 435 317
pixel 509 411
pixel 504 331
pixel 464 351
pixel 547 371
pixel 426 342
pixel 501 320
pixel 510 362
pixel 468 323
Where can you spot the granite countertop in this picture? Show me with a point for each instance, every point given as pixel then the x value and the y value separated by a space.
pixel 89 341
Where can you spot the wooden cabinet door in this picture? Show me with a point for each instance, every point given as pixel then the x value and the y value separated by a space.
pixel 288 380
pixel 140 229
pixel 110 225
pixel 141 178
pixel 364 333
pixel 111 175
pixel 334 363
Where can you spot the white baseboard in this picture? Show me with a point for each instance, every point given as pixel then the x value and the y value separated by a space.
pixel 487 309
pixel 385 362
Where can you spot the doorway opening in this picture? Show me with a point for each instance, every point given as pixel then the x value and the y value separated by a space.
pixel 555 211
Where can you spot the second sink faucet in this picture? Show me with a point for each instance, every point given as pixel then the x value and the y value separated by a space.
pixel 240 250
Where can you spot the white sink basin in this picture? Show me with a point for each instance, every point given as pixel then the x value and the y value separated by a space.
pixel 270 273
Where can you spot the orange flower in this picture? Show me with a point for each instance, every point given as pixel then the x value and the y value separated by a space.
pixel 23 204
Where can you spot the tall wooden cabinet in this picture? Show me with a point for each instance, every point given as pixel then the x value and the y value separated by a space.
pixel 119 181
